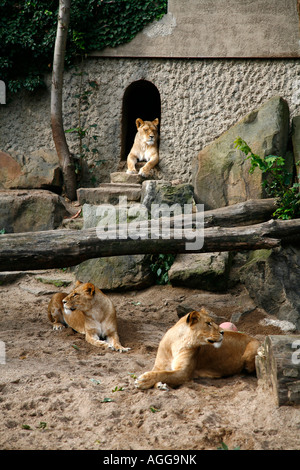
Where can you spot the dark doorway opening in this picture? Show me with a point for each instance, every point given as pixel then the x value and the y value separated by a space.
pixel 141 100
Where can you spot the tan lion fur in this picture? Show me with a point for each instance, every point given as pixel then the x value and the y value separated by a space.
pixel 145 147
pixel 196 347
pixel 56 310
pixel 90 312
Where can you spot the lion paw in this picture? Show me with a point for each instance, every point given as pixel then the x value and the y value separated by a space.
pixel 146 380
pixel 142 173
pixel 131 172
pixel 123 349
pixel 58 327
pixel 118 348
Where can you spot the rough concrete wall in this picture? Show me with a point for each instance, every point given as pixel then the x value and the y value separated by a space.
pixel 200 99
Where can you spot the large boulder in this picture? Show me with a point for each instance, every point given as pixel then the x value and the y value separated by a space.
pixel 221 173
pixel 272 278
pixel 38 170
pixel 30 210
pixel 117 272
pixel 113 272
pixel 205 271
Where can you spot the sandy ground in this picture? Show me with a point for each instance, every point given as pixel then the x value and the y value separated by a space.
pixel 57 392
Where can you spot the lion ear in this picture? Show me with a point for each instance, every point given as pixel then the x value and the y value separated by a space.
pixel 193 317
pixel 155 122
pixel 78 283
pixel 139 122
pixel 90 289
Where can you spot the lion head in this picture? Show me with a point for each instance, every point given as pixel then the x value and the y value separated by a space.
pixel 204 329
pixel 81 298
pixel 147 131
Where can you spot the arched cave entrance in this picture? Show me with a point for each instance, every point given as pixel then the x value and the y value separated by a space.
pixel 141 100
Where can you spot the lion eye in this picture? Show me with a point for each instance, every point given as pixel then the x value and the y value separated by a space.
pixel 209 323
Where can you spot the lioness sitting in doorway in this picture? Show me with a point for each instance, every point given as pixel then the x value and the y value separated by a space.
pixel 196 347
pixel 145 147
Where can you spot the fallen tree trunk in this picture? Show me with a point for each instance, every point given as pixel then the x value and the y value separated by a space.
pixel 63 248
pixel 253 211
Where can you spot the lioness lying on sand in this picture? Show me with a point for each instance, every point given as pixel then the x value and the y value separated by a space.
pixel 196 347
pixel 88 311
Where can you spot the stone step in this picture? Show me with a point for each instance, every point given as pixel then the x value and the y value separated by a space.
pixel 109 193
pixel 122 177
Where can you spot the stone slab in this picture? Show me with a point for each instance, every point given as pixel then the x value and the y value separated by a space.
pixel 123 177
pixel 109 193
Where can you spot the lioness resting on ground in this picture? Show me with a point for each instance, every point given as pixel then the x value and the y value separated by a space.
pixel 196 347
pixel 145 147
pixel 90 312
pixel 56 311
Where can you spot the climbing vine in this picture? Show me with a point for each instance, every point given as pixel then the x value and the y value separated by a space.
pixel 28 29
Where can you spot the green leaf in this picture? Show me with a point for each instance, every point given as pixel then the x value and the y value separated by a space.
pixel 153 409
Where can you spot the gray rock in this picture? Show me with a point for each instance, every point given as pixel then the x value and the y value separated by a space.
pixel 164 192
pixel 221 173
pixel 109 193
pixel 206 271
pixel 126 178
pixel 117 272
pixel 37 170
pixel 272 278
pixel 30 210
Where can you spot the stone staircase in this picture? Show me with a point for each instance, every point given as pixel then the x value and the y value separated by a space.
pixel 121 184
pixel 113 272
pixel 208 270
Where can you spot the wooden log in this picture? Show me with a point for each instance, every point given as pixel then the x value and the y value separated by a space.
pixel 251 212
pixel 63 248
pixel 278 368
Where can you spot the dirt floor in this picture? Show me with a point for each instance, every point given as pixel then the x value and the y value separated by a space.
pixel 59 392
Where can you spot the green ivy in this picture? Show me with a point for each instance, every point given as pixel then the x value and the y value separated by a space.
pixel 28 30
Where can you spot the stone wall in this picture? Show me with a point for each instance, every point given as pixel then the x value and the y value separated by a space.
pixel 218 28
pixel 200 99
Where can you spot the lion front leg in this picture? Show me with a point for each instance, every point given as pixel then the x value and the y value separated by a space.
pixel 93 339
pixel 114 343
pixel 148 380
pixel 182 368
pixel 145 170
pixel 131 162
pixel 158 379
